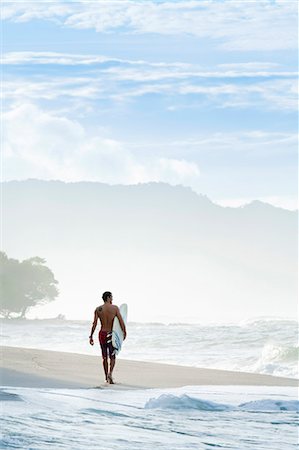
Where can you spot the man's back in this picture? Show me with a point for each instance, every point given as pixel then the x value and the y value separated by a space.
pixel 106 313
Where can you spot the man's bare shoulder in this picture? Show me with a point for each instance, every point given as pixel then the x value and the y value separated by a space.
pixel 98 309
pixel 114 309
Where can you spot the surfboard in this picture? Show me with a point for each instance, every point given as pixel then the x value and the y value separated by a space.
pixel 117 334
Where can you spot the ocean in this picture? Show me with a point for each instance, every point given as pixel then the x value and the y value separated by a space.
pixel 259 345
pixel 190 417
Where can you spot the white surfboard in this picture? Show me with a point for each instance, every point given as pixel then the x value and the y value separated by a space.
pixel 117 333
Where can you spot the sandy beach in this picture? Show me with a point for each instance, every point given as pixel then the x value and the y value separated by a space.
pixel 41 368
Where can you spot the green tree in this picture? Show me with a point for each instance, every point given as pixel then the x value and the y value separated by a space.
pixel 24 284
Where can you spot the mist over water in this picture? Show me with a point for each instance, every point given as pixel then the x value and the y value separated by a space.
pixel 170 254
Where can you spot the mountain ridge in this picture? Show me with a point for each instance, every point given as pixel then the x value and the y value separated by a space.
pixel 252 203
pixel 155 238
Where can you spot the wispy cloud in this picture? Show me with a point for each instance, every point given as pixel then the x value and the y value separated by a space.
pixel 231 25
pixel 120 80
pixel 228 145
pixel 141 70
pixel 73 59
pixel 54 58
pixel 273 94
pixel 250 66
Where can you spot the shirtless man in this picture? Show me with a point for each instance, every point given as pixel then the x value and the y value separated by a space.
pixel 106 313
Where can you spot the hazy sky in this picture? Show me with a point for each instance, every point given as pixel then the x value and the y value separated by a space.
pixel 201 93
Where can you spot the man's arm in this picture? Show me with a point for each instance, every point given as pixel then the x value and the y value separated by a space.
pixel 94 325
pixel 122 323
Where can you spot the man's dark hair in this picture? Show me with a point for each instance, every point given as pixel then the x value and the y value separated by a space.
pixel 106 295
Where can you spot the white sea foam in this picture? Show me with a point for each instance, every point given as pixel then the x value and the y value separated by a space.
pixel 186 402
pixel 275 358
pixel 271 405
pixel 169 401
pixel 181 419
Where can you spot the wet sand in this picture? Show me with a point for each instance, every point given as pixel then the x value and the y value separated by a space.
pixel 42 368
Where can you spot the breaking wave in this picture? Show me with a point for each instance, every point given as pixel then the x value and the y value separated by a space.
pixel 185 402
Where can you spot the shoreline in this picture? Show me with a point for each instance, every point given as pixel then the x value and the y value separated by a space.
pixel 26 367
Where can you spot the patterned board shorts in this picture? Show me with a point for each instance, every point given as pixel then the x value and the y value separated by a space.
pixel 105 338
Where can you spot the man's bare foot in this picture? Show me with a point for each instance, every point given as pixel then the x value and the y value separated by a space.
pixel 110 379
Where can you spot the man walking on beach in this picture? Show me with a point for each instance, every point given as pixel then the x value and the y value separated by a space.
pixel 106 313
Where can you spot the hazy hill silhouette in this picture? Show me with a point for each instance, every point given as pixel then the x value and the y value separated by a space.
pixel 155 237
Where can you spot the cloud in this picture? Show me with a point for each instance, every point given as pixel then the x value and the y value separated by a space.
pixel 25 11
pixel 55 58
pixel 142 71
pixel 249 25
pixel 48 145
pixel 272 94
pixel 251 65
pixel 152 74
pixel 73 59
pixel 40 144
pixel 228 149
pixel 243 85
pixel 175 170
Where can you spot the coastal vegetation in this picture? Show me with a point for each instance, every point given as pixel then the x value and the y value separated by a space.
pixel 24 284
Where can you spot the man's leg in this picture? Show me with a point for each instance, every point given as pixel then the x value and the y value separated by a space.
pixel 105 365
pixel 112 364
pixel 104 348
pixel 112 360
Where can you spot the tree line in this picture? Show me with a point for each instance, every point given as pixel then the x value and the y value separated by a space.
pixel 24 284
